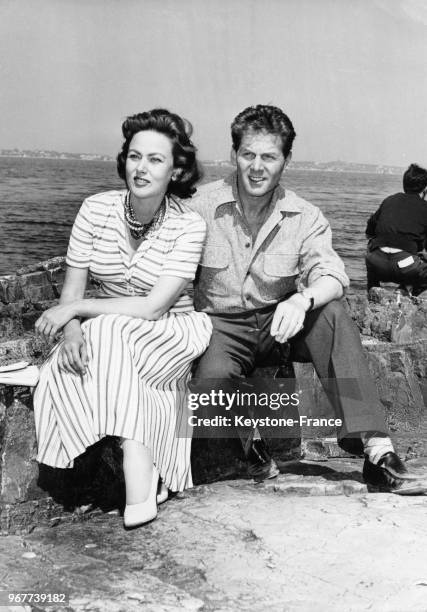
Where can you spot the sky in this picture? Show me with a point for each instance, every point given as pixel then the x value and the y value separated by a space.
pixel 351 74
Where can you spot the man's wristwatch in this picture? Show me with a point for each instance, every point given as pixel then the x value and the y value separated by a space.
pixel 308 295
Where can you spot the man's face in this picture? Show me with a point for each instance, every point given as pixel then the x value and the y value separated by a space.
pixel 260 163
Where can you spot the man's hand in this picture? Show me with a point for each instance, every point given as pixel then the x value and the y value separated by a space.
pixel 53 320
pixel 72 356
pixel 288 320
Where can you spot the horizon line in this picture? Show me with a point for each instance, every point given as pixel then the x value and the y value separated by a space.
pixel 44 154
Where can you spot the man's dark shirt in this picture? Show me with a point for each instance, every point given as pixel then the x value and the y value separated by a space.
pixel 400 222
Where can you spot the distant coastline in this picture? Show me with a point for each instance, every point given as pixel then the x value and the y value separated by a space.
pixel 332 166
pixel 42 154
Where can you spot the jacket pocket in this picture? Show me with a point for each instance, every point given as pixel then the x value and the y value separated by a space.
pixel 213 272
pixel 280 271
pixel 215 256
pixel 281 264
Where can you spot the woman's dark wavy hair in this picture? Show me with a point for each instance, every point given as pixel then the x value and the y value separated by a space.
pixel 414 179
pixel 179 131
pixel 263 118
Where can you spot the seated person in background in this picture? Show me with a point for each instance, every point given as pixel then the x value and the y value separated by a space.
pixel 125 355
pixel 269 275
pixel 397 232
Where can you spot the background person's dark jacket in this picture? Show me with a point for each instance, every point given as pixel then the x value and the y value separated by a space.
pixel 400 222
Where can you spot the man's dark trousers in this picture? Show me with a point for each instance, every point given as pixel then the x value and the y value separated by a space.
pixel 384 267
pixel 240 342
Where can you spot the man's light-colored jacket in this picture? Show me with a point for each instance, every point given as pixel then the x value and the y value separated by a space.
pixel 293 248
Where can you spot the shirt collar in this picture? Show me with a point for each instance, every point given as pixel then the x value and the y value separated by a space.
pixel 283 199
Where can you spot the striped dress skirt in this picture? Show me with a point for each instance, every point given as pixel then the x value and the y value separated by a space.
pixel 134 387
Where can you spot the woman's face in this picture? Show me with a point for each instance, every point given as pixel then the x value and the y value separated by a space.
pixel 149 165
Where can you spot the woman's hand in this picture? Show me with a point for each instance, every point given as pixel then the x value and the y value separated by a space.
pixel 72 356
pixel 53 320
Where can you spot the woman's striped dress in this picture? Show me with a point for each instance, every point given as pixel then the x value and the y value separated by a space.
pixel 136 378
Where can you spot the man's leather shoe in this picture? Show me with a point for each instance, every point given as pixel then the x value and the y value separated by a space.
pixel 390 474
pixel 261 466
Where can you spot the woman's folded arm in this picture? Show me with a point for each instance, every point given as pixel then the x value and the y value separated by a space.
pixel 151 307
pixel 161 298
pixel 73 289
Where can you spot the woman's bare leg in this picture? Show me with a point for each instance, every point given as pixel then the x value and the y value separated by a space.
pixel 138 471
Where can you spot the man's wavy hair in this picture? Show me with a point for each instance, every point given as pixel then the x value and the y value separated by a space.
pixel 263 118
pixel 414 179
pixel 179 131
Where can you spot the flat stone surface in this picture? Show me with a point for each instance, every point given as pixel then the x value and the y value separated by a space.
pixel 299 543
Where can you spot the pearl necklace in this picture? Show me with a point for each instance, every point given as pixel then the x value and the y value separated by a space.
pixel 143 230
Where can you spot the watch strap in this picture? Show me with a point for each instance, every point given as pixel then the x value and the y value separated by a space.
pixel 308 296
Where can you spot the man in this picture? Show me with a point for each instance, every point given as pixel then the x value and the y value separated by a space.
pixel 397 233
pixel 269 275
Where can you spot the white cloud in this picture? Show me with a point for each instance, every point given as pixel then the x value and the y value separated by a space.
pixel 416 10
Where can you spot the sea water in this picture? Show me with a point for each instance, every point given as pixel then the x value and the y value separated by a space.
pixel 39 199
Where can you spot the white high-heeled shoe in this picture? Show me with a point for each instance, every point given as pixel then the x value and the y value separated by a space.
pixel 162 494
pixel 146 511
pixel 19 374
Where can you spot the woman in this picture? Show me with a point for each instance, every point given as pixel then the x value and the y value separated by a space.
pixel 122 365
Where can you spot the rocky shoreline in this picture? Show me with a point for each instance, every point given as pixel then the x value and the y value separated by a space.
pixel 394 335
